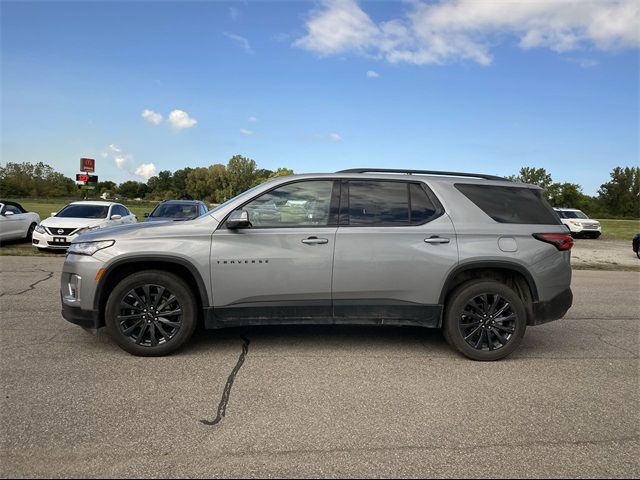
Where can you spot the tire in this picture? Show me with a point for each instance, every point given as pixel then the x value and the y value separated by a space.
pixel 144 332
pixel 500 336
pixel 32 227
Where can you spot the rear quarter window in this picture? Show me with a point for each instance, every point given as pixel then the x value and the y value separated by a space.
pixel 511 204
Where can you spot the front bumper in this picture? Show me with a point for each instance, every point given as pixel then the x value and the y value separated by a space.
pixel 79 271
pixel 553 309
pixel 593 229
pixel 85 318
pixel 44 240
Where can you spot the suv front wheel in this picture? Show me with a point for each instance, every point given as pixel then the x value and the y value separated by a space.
pixel 151 313
pixel 484 320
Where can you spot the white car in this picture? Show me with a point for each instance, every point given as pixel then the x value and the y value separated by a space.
pixel 61 227
pixel 579 223
pixel 15 222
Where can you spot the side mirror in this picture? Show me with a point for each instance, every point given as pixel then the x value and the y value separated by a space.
pixel 53 214
pixel 238 219
pixel 8 213
pixel 116 217
pixel 146 214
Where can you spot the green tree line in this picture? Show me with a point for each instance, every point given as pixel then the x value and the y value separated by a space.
pixel 618 197
pixel 213 184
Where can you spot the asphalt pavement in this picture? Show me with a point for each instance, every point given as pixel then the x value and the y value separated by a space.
pixel 308 401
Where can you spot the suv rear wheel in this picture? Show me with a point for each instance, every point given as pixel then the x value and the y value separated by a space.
pixel 151 313
pixel 485 320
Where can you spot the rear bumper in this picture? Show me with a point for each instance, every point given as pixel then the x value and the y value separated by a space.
pixel 84 318
pixel 553 309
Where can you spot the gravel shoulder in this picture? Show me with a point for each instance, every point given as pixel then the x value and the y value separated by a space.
pixel 604 255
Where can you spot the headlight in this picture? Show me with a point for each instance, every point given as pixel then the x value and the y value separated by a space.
pixel 89 248
pixel 40 229
pixel 86 229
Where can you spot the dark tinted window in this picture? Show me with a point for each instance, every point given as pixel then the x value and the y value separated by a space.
pixel 422 208
pixel 13 209
pixel 83 211
pixel 511 204
pixel 375 203
pixel 175 210
pixel 120 210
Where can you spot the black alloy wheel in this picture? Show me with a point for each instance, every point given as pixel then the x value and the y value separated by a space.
pixel 487 322
pixel 150 315
pixel 484 319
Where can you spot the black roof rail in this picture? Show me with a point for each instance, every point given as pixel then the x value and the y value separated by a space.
pixel 423 172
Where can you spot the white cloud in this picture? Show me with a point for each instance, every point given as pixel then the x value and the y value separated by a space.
pixel 234 13
pixel 241 41
pixel 146 170
pixel 252 119
pixel 124 161
pixel 247 133
pixel 441 32
pixel 121 159
pixel 372 74
pixel 152 117
pixel 180 119
pixel 335 137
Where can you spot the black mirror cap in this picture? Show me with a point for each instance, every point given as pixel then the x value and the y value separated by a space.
pixel 146 214
pixel 238 219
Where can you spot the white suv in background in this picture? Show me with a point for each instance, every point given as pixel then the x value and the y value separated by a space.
pixel 61 227
pixel 579 223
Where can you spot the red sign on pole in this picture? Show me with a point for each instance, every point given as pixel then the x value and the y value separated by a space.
pixel 87 165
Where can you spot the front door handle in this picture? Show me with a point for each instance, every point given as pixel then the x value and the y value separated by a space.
pixel 315 241
pixel 436 240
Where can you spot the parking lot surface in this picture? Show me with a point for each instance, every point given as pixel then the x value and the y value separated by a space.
pixel 327 401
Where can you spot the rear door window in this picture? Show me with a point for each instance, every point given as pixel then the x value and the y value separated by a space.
pixel 388 203
pixel 511 204
pixel 422 208
pixel 378 203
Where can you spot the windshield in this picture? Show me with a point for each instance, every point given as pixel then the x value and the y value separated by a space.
pixel 175 210
pixel 572 214
pixel 84 211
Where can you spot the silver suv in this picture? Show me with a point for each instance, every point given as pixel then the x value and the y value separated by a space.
pixel 476 255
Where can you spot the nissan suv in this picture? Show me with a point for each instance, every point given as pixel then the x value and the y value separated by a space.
pixel 477 256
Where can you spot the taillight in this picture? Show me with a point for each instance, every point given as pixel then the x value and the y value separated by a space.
pixel 561 241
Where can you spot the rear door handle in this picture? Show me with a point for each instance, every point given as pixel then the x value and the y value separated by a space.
pixel 315 241
pixel 436 240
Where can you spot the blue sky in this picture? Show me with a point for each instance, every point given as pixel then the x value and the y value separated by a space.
pixel 451 86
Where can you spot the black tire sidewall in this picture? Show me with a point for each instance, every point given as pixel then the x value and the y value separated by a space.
pixel 184 296
pixel 455 305
pixel 29 236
